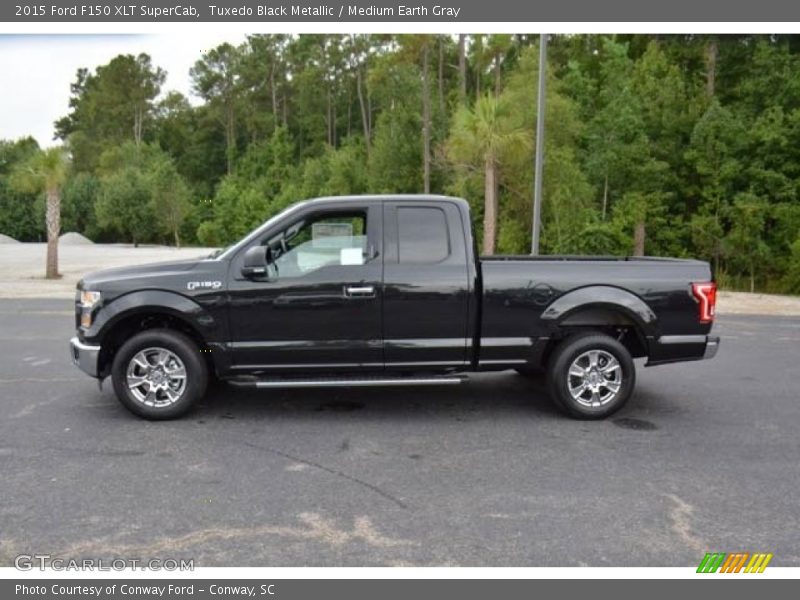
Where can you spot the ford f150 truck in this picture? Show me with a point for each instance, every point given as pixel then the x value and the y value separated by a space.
pixel 380 291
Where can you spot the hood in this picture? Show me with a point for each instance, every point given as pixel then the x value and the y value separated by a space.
pixel 135 276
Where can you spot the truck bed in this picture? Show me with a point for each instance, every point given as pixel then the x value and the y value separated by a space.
pixel 522 294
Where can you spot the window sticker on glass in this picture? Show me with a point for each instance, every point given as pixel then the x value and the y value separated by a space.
pixel 330 235
pixel 351 256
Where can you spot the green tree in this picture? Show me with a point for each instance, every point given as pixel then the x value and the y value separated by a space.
pixel 645 202
pixel 46 171
pixel 254 191
pixel 481 137
pixel 142 196
pixel 263 72
pixel 77 205
pixel 667 111
pixel 216 78
pixel 395 158
pixel 110 106
pixel 169 196
pixel 124 205
pixel 190 136
pixel 19 214
pixel 744 245
pixel 394 162
pixel 615 135
pixel 567 194
pixel 717 140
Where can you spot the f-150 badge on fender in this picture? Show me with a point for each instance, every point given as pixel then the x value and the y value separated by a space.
pixel 203 285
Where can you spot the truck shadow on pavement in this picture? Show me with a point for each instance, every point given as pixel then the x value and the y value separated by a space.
pixel 497 396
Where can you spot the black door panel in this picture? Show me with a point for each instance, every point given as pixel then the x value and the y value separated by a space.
pixel 326 318
pixel 426 287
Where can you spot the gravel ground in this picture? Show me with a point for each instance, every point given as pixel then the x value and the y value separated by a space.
pixel 22 269
pixel 743 303
pixel 22 265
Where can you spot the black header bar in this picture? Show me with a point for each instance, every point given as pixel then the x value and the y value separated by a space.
pixel 445 11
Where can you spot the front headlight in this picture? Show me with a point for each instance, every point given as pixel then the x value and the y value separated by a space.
pixel 89 299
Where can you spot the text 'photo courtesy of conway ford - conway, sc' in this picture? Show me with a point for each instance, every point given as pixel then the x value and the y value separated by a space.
pixel 386 291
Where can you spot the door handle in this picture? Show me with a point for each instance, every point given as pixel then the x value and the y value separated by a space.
pixel 359 291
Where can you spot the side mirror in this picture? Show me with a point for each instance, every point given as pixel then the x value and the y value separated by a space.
pixel 255 262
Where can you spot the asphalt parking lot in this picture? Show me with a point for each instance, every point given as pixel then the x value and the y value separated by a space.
pixel 704 458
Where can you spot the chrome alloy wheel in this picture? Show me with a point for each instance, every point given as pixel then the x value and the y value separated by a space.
pixel 156 377
pixel 595 378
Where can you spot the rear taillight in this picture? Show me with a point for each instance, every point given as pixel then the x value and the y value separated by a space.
pixel 706 296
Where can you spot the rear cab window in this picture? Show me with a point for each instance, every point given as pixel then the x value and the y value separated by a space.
pixel 423 236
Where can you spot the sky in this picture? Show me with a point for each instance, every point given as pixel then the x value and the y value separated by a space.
pixel 36 71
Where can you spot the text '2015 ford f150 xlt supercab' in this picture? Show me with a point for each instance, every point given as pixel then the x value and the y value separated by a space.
pixel 386 290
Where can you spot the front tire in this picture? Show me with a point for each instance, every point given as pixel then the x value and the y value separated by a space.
pixel 591 376
pixel 159 374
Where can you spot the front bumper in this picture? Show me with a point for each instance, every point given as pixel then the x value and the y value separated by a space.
pixel 84 356
pixel 679 348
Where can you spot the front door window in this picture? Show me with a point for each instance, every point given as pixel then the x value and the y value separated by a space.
pixel 311 244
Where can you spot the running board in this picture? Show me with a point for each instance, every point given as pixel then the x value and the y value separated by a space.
pixel 322 382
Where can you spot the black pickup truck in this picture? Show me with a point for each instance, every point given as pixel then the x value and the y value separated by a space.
pixel 380 291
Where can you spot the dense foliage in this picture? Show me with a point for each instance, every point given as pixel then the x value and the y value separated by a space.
pixel 662 145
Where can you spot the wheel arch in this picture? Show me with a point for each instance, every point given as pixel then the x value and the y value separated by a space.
pixel 141 311
pixel 607 309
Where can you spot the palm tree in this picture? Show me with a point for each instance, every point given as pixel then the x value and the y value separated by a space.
pixel 46 171
pixel 481 136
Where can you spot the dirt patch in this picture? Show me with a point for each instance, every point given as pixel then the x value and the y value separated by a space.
pixel 311 528
pixel 743 303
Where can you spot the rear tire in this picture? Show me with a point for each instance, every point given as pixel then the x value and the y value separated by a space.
pixel 591 376
pixel 159 374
